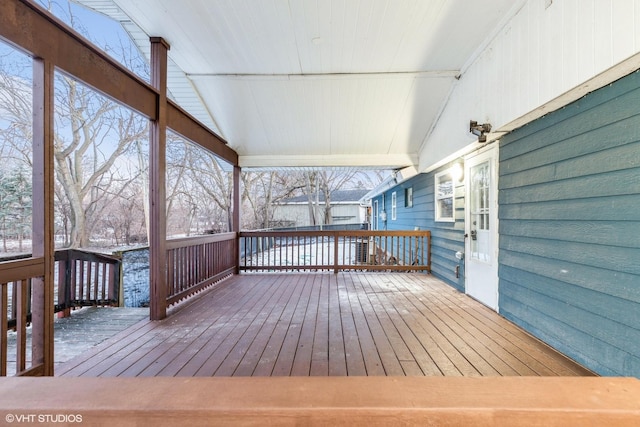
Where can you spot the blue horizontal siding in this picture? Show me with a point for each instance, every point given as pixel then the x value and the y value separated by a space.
pixel 447 238
pixel 600 357
pixel 610 233
pixel 569 209
pixel 624 286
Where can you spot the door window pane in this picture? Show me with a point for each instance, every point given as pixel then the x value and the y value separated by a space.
pixel 480 207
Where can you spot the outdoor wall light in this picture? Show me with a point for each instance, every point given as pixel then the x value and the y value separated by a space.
pixel 457 172
pixel 479 130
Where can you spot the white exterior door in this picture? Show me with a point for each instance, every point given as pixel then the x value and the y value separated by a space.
pixel 481 227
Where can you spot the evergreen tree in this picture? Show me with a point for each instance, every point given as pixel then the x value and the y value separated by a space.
pixel 15 206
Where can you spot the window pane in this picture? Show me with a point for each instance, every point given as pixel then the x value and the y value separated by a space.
pixel 444 197
pixel 101 182
pixel 16 150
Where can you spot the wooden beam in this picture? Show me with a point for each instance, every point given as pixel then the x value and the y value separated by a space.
pixel 188 127
pixel 157 184
pixel 33 30
pixel 43 213
pixel 30 28
pixel 335 401
pixel 236 214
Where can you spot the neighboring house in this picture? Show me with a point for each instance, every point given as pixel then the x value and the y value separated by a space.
pixel 548 220
pixel 346 208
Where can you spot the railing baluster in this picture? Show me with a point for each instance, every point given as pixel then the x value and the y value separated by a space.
pixel 69 282
pixel 74 280
pixel 4 305
pixel 88 280
pixel 81 278
pixel 21 326
pixel 404 251
pixel 335 253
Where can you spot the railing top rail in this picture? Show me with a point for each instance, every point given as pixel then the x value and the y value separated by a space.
pixel 83 255
pixel 339 233
pixel 199 240
pixel 21 269
pixel 64 254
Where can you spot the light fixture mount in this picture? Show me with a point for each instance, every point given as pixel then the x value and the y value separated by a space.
pixel 479 130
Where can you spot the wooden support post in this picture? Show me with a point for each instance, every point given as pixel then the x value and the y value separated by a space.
pixel 3 330
pixel 157 179
pixel 236 215
pixel 335 253
pixel 42 217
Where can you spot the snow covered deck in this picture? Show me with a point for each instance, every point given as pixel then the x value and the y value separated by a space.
pixel 81 331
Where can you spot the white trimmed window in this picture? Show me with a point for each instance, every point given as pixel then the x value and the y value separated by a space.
pixel 394 206
pixel 444 197
pixel 408 197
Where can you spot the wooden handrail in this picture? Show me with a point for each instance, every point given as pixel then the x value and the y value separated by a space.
pixel 84 278
pixel 18 269
pixel 337 250
pixel 194 263
pixel 183 242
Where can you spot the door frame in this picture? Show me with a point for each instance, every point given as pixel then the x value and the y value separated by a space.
pixel 488 269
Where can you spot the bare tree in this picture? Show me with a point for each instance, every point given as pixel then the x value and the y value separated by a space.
pixel 262 190
pixel 16 132
pixel 93 133
pixel 320 184
pixel 212 181
pixel 123 217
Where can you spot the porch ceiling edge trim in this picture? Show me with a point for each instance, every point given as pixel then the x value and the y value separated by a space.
pixel 457 155
pixel 383 161
pixel 325 76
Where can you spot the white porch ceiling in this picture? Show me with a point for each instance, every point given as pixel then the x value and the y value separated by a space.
pixel 314 82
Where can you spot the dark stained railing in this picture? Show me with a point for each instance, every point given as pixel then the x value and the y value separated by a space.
pixel 194 263
pixel 16 278
pixel 335 250
pixel 83 279
pixel 87 279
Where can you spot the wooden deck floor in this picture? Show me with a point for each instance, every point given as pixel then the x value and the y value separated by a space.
pixel 76 334
pixel 324 324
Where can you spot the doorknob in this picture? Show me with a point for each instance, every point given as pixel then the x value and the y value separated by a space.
pixel 474 235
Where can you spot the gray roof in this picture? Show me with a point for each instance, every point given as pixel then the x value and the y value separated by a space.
pixel 339 196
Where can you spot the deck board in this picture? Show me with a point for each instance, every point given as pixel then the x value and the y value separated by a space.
pixel 322 324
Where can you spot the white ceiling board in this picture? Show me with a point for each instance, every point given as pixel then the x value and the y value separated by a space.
pixel 420 111
pixel 315 81
pixel 221 36
pixel 337 115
